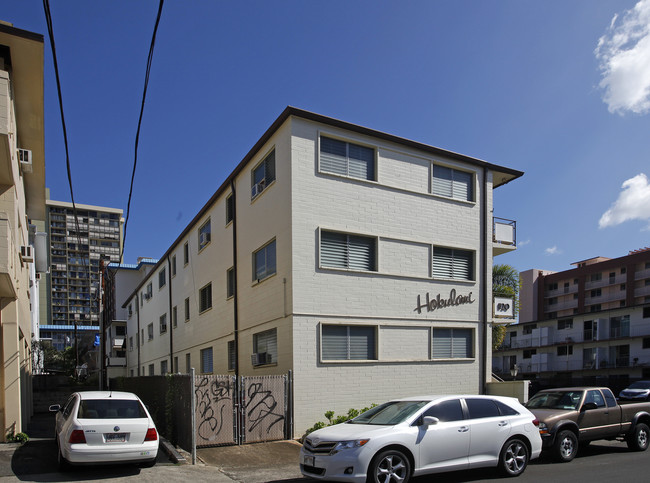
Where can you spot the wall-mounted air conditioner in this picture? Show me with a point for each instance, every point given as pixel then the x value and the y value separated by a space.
pixel 258 188
pixel 25 160
pixel 26 253
pixel 261 358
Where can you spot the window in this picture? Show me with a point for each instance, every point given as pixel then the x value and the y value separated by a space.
pixel 150 331
pixel 596 277
pixel 175 316
pixel 186 254
pixel 131 344
pixel 348 342
pixel 266 343
pixel 130 310
pixel 347 159
pixel 188 363
pixel 528 353
pixel 552 286
pixel 565 350
pixel 230 282
pixel 163 367
pixel 206 360
pixel 149 293
pixel 205 234
pixel 594 396
pixel 173 265
pixel 528 329
pixel 565 324
pixel 205 298
pixel 482 408
pixel 187 309
pixel 596 293
pixel 452 183
pixel 354 252
pixel 452 343
pixel 263 175
pixel 163 323
pixel 175 367
pixel 230 208
pixel 453 263
pixel 446 411
pixel 231 355
pixel 162 278
pixel 151 370
pixel 646 312
pixel 646 343
pixel 619 326
pixel 264 262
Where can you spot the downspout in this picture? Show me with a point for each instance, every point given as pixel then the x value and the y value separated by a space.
pixel 137 338
pixel 236 292
pixel 171 315
pixel 484 291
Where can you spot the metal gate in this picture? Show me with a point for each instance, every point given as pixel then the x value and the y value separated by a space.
pixel 255 410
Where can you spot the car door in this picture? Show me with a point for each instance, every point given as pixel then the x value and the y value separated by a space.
pixel 594 423
pixel 489 430
pixel 444 445
pixel 64 415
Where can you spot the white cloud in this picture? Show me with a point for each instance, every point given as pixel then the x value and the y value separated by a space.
pixel 624 55
pixel 633 203
pixel 554 250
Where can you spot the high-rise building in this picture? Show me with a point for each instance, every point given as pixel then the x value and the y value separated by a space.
pixel 76 247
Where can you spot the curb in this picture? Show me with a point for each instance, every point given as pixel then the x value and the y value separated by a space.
pixel 172 453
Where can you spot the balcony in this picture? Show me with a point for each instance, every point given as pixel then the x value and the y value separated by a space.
pixel 504 236
pixel 8 261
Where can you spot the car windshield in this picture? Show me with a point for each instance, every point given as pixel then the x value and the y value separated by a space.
pixel 390 413
pixel 555 400
pixel 640 385
pixel 110 409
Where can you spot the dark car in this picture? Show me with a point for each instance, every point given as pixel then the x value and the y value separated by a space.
pixel 638 391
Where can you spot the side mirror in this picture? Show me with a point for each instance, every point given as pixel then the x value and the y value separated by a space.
pixel 430 421
pixel 588 406
pixel 55 407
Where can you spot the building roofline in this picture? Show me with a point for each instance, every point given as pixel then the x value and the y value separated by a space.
pixel 291 111
pixel 25 34
pixel 80 206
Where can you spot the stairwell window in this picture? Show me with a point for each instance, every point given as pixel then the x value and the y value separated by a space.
pixel 264 264
pixel 453 263
pixel 353 252
pixel 347 159
pixel 205 235
pixel 453 343
pixel 452 183
pixel 348 342
pixel 263 175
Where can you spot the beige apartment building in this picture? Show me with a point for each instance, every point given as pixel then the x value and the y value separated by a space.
pixel 22 204
pixel 591 322
pixel 358 260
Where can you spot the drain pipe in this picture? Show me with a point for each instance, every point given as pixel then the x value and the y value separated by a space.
pixel 171 315
pixel 137 338
pixel 238 402
pixel 484 294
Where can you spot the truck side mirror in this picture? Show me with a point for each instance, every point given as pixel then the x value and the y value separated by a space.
pixel 588 406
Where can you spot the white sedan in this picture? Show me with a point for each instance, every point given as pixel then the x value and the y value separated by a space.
pixel 103 427
pixel 419 435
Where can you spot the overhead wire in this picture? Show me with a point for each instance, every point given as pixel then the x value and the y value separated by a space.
pixel 137 135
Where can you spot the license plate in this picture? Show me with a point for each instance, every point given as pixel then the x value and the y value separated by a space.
pixel 310 461
pixel 115 437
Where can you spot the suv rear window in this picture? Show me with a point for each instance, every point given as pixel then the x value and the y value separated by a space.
pixel 111 408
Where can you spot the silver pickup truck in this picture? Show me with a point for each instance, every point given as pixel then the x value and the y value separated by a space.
pixel 573 416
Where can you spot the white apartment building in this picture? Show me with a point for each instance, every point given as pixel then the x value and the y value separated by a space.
pixel 22 204
pixel 592 321
pixel 358 260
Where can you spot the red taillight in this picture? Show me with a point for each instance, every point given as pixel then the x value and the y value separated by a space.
pixel 77 437
pixel 152 435
pixel 536 422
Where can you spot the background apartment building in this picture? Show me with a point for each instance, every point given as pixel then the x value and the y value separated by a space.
pixel 22 205
pixel 592 321
pixel 75 250
pixel 358 260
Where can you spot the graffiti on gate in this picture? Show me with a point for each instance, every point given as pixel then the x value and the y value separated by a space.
pixel 262 409
pixel 213 406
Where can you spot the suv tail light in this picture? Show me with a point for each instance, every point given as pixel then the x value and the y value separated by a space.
pixel 152 435
pixel 77 437
pixel 536 422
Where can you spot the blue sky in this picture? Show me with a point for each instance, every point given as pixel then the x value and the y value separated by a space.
pixel 557 89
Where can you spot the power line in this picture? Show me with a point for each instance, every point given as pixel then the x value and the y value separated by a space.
pixel 137 135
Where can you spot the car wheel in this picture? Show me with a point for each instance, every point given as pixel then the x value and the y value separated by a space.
pixel 390 466
pixel 566 446
pixel 639 438
pixel 513 458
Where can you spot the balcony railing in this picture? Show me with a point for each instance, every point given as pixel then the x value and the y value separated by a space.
pixel 504 235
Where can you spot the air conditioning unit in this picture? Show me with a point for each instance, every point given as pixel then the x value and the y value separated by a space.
pixel 26 253
pixel 204 239
pixel 25 159
pixel 258 188
pixel 261 358
pixel 147 296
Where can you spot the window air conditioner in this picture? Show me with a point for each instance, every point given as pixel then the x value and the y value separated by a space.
pixel 258 188
pixel 25 159
pixel 26 253
pixel 204 239
pixel 260 358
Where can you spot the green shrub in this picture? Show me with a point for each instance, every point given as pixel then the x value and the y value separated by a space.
pixel 21 438
pixel 329 415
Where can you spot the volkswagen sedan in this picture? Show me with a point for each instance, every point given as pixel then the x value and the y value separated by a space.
pixel 103 427
pixel 420 435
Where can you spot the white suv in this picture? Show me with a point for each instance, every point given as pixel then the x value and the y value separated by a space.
pixel 419 435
